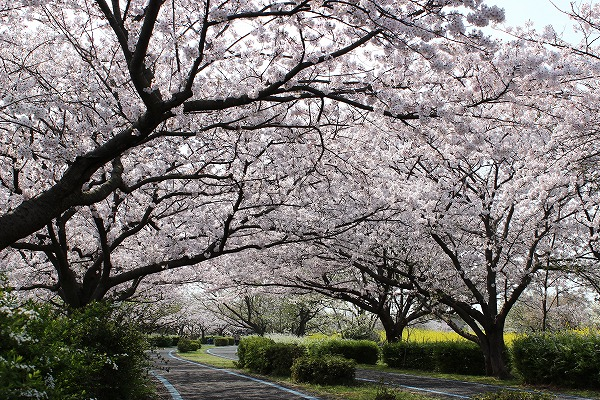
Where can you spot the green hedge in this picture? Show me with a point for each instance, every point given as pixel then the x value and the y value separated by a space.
pixel 361 351
pixel 324 370
pixel 223 341
pixel 249 350
pixel 264 356
pixel 565 359
pixel 409 355
pixel 163 340
pixel 186 345
pixel 459 357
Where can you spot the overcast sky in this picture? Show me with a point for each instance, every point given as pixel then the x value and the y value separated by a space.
pixel 540 12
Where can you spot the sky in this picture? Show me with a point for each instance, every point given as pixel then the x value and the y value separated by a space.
pixel 540 12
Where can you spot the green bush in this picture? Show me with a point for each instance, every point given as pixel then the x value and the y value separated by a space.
pixel 223 341
pixel 324 370
pixel 513 395
pixel 264 356
pixel 409 355
pixel 281 357
pixel 249 351
pixel 91 353
pixel 185 345
pixel 566 359
pixel 458 357
pixel 163 340
pixel 361 351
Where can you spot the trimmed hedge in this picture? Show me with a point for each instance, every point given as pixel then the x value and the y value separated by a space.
pixel 163 340
pixel 458 357
pixel 564 358
pixel 186 345
pixel 409 355
pixel 249 350
pixel 361 351
pixel 223 341
pixel 324 370
pixel 264 356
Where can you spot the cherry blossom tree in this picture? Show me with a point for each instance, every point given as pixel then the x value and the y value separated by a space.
pixel 354 273
pixel 91 88
pixel 139 137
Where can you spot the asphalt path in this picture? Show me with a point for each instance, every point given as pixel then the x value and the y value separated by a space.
pixel 447 388
pixel 187 380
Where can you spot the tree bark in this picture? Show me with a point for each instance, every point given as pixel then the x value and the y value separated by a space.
pixel 495 352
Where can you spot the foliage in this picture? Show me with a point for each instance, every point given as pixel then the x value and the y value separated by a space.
pixel 361 351
pixel 264 356
pixel 223 341
pixel 564 358
pixel 385 393
pixel 360 332
pixel 324 370
pixel 281 356
pixel 409 355
pixel 513 395
pixel 249 351
pixel 163 340
pixel 460 357
pixel 90 353
pixel 186 345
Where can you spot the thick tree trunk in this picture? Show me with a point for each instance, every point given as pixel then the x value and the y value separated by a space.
pixel 494 351
pixel 393 329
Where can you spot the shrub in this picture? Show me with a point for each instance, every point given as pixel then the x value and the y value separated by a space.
pixel 163 340
pixel 361 351
pixel 458 357
pixel 186 345
pixel 249 350
pixel 513 395
pixel 566 359
pixel 264 356
pixel 409 355
pixel 385 393
pixel 91 353
pixel 281 357
pixel 360 333
pixel 324 370
pixel 223 341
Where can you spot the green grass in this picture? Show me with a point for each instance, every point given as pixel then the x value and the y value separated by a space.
pixel 201 356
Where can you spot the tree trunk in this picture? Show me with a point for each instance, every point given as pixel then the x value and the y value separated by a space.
pixel 495 353
pixel 393 329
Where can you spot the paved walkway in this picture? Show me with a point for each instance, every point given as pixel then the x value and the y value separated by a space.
pixel 188 380
pixel 435 386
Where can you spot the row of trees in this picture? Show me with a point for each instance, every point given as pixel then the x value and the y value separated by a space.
pixel 384 153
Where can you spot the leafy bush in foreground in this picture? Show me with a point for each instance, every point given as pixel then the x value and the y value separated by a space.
pixel 91 353
pixel 565 358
